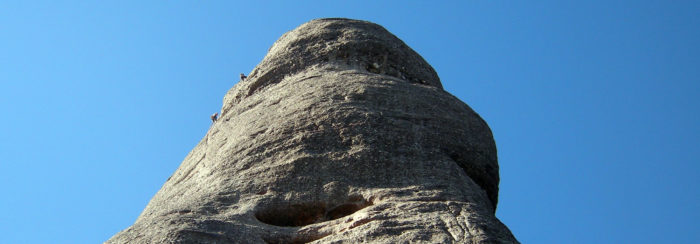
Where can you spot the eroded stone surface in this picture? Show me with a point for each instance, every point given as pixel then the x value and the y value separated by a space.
pixel 342 134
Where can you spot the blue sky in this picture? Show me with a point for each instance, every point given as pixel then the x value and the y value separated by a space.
pixel 594 105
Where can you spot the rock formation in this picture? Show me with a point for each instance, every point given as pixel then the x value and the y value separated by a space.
pixel 342 134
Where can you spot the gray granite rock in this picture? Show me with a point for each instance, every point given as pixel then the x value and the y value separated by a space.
pixel 342 134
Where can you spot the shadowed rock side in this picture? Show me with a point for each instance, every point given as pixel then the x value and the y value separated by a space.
pixel 341 134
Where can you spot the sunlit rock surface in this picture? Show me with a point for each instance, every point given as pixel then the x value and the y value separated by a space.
pixel 342 134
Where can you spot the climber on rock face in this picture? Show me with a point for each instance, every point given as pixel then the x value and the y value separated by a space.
pixel 243 76
pixel 214 117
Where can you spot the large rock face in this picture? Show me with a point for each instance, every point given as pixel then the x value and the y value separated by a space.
pixel 341 134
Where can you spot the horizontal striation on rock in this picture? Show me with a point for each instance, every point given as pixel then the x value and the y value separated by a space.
pixel 341 134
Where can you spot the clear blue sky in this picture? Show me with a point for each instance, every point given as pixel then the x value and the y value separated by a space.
pixel 594 105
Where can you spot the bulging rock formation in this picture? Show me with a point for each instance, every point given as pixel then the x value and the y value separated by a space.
pixel 342 134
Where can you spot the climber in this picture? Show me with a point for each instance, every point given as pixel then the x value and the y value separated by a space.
pixel 214 117
pixel 243 76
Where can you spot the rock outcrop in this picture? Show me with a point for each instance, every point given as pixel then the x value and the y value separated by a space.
pixel 342 134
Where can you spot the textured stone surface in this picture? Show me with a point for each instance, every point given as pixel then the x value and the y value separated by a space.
pixel 342 134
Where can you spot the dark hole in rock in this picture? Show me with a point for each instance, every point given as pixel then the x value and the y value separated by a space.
pixel 293 215
pixel 343 210
pixel 309 213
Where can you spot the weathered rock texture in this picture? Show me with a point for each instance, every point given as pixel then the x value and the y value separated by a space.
pixel 342 134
